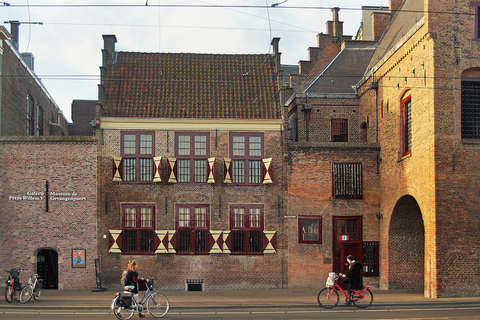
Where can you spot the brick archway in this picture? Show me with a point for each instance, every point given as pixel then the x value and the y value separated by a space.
pixel 406 246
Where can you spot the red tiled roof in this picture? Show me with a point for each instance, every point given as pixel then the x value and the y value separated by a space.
pixel 185 85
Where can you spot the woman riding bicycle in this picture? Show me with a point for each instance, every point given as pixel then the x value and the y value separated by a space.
pixel 132 281
pixel 352 277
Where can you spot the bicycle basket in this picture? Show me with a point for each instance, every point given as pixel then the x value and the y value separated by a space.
pixel 151 285
pixel 330 283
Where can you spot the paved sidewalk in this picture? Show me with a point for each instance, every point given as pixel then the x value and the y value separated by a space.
pixel 294 298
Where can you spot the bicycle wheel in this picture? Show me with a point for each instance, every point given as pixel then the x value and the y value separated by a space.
pixel 158 305
pixel 328 298
pixel 9 294
pixel 120 312
pixel 365 301
pixel 26 293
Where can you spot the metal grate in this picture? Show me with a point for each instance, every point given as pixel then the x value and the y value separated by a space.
pixel 194 285
pixel 471 109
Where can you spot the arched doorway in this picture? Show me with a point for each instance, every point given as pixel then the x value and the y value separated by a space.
pixel 47 268
pixel 406 246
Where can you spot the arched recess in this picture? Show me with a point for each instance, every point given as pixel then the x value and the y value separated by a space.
pixel 47 267
pixel 406 245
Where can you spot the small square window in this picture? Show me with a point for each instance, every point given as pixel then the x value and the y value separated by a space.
pixel 310 229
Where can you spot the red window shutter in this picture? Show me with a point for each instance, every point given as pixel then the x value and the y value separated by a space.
pixel 267 171
pixel 172 170
pixel 227 244
pixel 269 241
pixel 214 241
pixel 227 170
pixel 117 169
pixel 211 170
pixel 115 241
pixel 173 241
pixel 156 241
pixel 157 169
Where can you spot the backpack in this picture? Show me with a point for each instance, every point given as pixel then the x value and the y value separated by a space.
pixel 125 277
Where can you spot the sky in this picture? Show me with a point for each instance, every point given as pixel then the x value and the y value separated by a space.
pixel 67 45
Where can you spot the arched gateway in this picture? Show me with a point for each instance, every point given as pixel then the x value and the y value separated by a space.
pixel 406 246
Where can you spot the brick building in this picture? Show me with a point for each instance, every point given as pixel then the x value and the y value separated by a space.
pixel 48 209
pixel 48 179
pixel 333 181
pixel 422 88
pixel 26 107
pixel 191 169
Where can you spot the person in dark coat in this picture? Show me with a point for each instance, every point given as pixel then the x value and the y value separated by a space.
pixel 353 276
pixel 133 281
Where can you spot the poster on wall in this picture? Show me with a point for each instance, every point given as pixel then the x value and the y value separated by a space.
pixel 78 258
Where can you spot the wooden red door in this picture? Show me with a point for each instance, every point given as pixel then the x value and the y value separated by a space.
pixel 347 240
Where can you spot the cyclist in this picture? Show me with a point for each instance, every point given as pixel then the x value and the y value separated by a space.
pixel 132 281
pixel 352 277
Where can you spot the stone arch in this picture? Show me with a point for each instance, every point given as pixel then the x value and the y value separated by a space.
pixel 406 245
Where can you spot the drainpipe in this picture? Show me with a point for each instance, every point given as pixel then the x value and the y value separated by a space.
pixel 307 108
pixel 374 85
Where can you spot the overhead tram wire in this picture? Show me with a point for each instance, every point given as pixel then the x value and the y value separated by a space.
pixel 212 6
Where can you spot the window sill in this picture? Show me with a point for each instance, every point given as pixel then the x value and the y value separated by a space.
pixel 471 141
pixel 404 157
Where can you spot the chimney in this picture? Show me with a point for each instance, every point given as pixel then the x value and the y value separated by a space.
pixel 335 27
pixel 395 5
pixel 14 27
pixel 29 59
pixel 276 52
pixel 108 53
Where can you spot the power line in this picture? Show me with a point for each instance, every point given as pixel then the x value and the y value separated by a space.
pixel 209 6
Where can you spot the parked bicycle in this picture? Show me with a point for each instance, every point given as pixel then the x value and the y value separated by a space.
pixel 32 289
pixel 13 284
pixel 124 304
pixel 328 297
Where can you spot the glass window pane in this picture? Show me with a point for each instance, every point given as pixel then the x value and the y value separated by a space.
pixel 146 217
pixel 238 146
pixel 146 170
pixel 146 144
pixel 184 145
pixel 200 171
pixel 183 170
pixel 238 217
pixel 130 217
pixel 255 171
pixel 255 146
pixel 201 217
pixel 255 218
pixel 184 217
pixel 200 145
pixel 238 171
pixel 129 169
pixel 129 144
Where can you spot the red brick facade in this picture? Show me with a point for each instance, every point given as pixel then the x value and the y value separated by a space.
pixel 49 205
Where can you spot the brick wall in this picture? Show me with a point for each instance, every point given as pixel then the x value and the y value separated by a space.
pixel 68 165
pixel 219 271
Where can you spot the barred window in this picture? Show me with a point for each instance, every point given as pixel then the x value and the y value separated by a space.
pixel 470 110
pixel 191 151
pixel 347 181
pixel 138 224
pixel 192 224
pixel 370 259
pixel 246 151
pixel 137 150
pixel 246 224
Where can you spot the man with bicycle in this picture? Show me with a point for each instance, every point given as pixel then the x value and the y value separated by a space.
pixel 352 277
